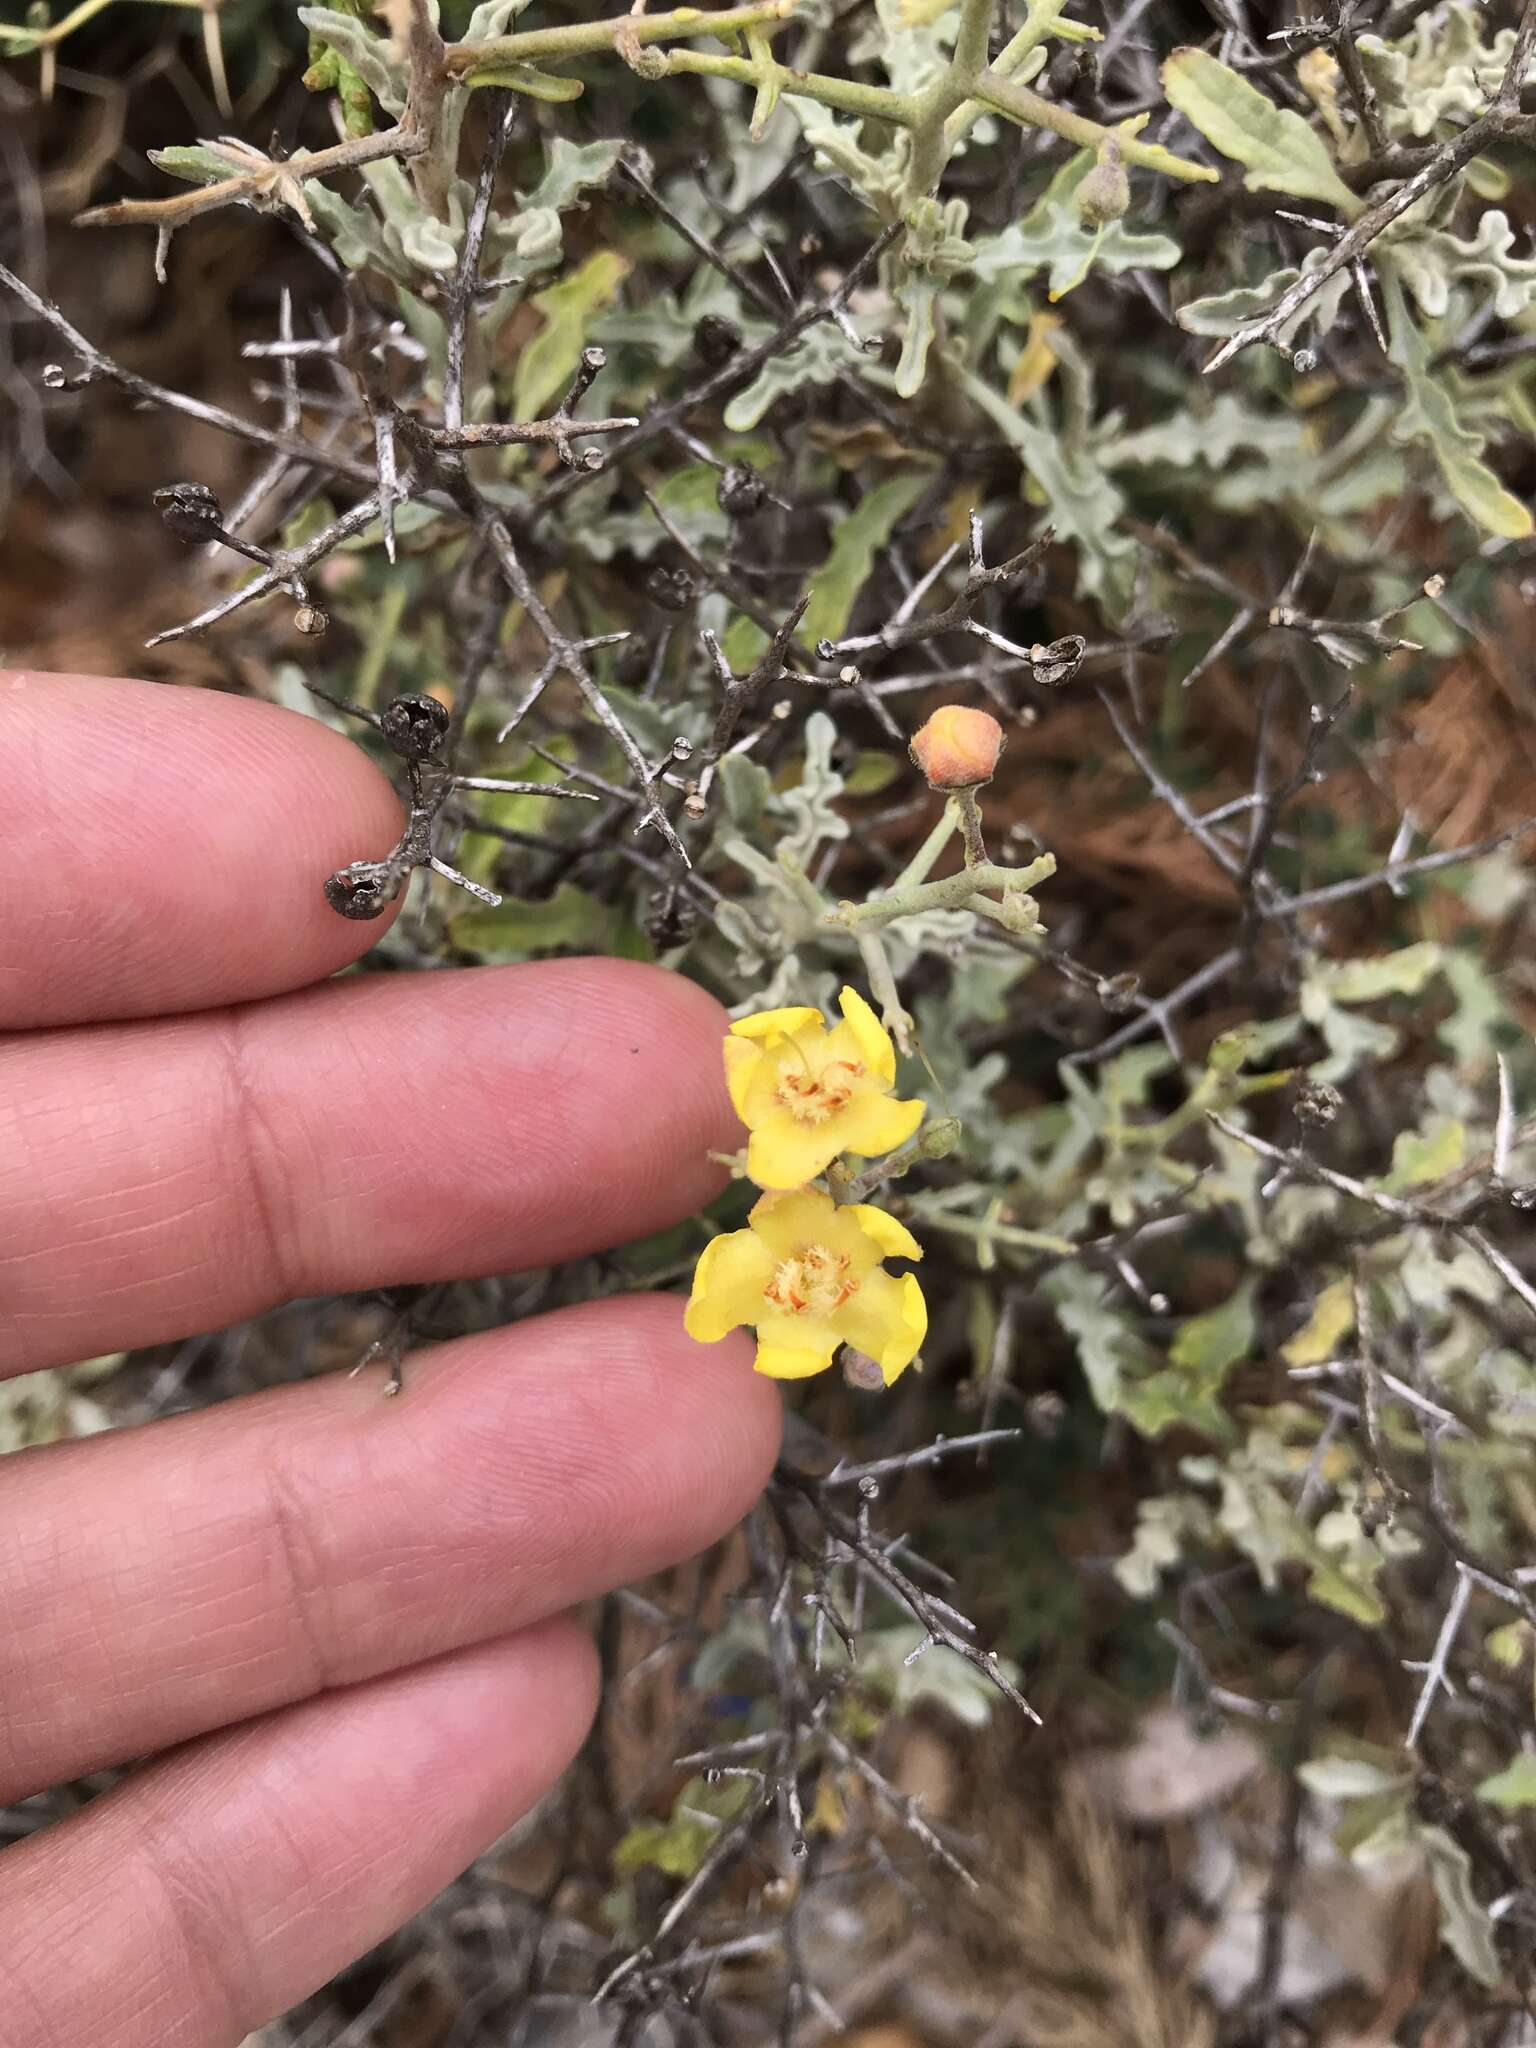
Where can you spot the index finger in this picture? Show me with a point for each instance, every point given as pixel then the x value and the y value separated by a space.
pixel 172 847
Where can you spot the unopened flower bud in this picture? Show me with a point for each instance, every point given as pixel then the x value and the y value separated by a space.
pixel 190 511
pixel 862 1371
pixel 940 1138
pixel 958 747
pixel 1105 194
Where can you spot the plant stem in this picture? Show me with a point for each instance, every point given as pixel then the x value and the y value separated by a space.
pixel 583 38
pixel 954 892
pixel 920 866
pixel 1003 96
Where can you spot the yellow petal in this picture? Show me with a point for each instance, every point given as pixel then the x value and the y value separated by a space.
pixel 770 1024
pixel 784 1154
pixel 894 1239
pixel 887 1318
pixel 785 1222
pixel 742 1060
pixel 728 1285
pixel 872 1124
pixel 779 1364
pixel 874 1040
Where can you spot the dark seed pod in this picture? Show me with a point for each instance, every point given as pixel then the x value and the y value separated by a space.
pixel 1058 661
pixel 1046 1413
pixel 190 511
pixel 631 661
pixel 670 589
pixel 1318 1105
pixel 1073 73
pixel 671 921
pixel 741 490
pixel 715 341
pixel 363 890
pixel 414 727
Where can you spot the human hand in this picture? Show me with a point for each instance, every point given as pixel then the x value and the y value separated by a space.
pixel 341 1614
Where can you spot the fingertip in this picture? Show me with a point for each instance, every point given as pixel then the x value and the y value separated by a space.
pixel 182 839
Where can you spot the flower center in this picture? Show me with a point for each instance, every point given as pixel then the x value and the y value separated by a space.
pixel 812 1098
pixel 814 1281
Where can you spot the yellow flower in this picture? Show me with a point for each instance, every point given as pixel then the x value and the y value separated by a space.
pixel 807 1275
pixel 807 1093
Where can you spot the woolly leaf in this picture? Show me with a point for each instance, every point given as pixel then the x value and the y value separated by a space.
pixel 1275 146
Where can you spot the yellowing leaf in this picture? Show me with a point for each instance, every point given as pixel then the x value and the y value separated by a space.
pixel 1420 1156
pixel 1036 361
pixel 1331 1320
pixel 1276 147
pixel 548 363
pixel 1514 1786
pixel 1215 1341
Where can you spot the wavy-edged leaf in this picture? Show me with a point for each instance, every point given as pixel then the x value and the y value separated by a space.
pixel 1276 148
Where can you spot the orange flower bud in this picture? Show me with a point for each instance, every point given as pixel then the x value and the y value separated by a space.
pixel 958 747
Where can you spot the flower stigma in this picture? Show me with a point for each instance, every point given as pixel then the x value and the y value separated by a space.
pixel 815 1281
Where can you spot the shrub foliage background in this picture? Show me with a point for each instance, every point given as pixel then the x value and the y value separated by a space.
pixel 690 406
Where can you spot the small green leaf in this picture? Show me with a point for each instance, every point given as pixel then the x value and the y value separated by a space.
pixel 547 365
pixel 1427 1154
pixel 1465 1926
pixel 1331 1320
pixel 1276 147
pixel 1214 1342
pixel 200 163
pixel 1431 417
pixel 1514 1786
pixel 528 79
pixel 569 921
pixel 1333 1588
pixel 855 543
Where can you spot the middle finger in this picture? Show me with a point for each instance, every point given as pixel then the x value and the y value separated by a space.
pixel 158 1178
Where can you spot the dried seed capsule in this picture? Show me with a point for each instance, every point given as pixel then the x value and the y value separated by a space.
pixel 414 727
pixel 1058 661
pixel 310 619
pixel 715 341
pixel 671 922
pixel 741 490
pixel 671 589
pixel 190 511
pixel 1318 1104
pixel 958 748
pixel 364 889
